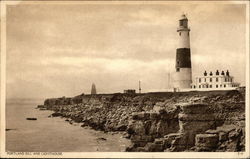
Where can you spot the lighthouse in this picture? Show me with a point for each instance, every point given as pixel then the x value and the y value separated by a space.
pixel 182 78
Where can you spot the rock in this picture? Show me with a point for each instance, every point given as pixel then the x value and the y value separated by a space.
pixel 211 131
pixel 102 138
pixel 9 129
pixel 158 106
pixel 233 135
pixel 195 126
pixel 159 141
pixel 206 142
pixel 140 116
pixel 169 140
pixel 140 141
pixel 84 124
pixel 162 128
pixel 226 128
pixel 126 136
pixel 196 117
pixel 41 106
pixel 56 114
pixel 162 111
pixel 154 115
pixel 138 127
pixel 121 127
pixel 147 138
pixel 194 108
pixel 152 147
pixel 130 148
pixel 31 118
pixel 223 136
pixel 141 149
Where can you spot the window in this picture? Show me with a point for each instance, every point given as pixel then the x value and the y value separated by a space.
pixel 199 80
pixel 216 79
pixel 210 86
pixel 177 69
pixel 224 85
pixel 216 85
pixel 210 79
pixel 181 22
pixel 199 86
pixel 221 85
pixel 194 86
pixel 180 33
pixel 205 79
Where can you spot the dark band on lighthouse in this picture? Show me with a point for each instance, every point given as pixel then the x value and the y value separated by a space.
pixel 183 58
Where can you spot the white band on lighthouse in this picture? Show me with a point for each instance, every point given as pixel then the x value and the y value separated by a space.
pixel 184 39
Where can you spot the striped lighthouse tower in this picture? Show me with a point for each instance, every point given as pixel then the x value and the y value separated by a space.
pixel 183 74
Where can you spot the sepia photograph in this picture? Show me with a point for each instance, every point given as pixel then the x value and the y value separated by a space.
pixel 152 79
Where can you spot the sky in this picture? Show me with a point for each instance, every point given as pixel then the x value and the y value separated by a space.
pixel 56 50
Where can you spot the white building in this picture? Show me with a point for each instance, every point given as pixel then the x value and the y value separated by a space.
pixel 217 81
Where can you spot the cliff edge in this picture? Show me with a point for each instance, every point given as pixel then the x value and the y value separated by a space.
pixel 167 121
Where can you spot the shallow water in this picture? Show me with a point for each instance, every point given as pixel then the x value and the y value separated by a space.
pixel 53 134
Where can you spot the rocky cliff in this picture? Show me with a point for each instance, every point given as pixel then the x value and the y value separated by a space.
pixel 180 121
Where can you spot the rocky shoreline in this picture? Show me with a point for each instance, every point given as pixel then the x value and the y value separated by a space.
pixel 157 122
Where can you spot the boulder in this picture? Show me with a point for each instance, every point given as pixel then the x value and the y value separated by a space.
pixel 141 116
pixel 223 136
pixel 206 142
pixel 152 147
pixel 41 106
pixel 196 117
pixel 56 114
pixel 168 140
pixel 194 108
pixel 154 115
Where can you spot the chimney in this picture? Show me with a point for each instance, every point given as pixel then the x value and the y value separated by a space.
pixel 205 73
pixel 217 72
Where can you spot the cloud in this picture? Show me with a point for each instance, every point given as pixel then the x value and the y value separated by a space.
pixel 56 50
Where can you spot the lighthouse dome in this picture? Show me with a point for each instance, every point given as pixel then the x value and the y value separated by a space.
pixel 183 16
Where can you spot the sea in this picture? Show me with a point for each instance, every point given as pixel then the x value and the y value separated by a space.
pixel 53 134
